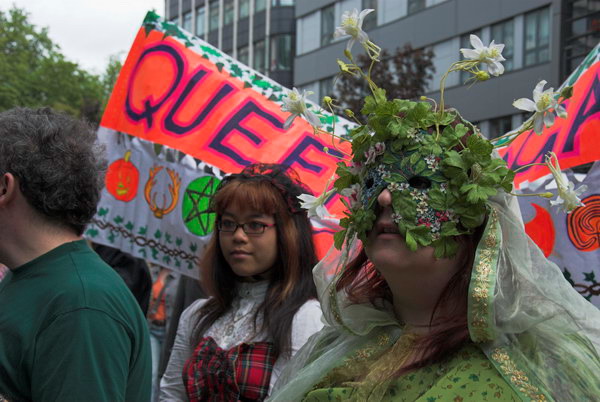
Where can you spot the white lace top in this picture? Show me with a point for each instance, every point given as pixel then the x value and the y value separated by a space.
pixel 234 327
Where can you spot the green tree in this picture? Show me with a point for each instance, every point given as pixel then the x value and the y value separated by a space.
pixel 403 74
pixel 35 73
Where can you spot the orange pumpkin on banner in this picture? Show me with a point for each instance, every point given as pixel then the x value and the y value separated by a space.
pixel 122 179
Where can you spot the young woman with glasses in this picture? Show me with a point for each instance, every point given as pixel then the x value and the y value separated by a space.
pixel 262 303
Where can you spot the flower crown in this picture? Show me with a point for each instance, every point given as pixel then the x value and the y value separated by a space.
pixel 438 167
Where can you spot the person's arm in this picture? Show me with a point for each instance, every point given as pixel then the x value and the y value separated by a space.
pixel 172 387
pixel 83 355
pixel 307 321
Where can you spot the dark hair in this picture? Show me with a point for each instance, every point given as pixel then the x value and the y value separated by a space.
pixel 55 158
pixel 270 189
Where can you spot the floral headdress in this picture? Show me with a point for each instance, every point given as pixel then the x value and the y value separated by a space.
pixel 438 167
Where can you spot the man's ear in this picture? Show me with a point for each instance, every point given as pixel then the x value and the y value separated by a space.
pixel 8 187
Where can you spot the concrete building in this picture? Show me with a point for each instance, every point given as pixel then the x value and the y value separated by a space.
pixel 545 39
pixel 259 33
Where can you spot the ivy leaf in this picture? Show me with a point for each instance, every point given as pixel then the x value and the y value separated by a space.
pixel 129 226
pixel 476 193
pixel 479 146
pixel 445 247
pixel 338 239
pixel 589 276
pixel 410 241
pixel 158 234
pixel 118 219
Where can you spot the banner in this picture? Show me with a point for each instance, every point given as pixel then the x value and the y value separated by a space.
pixel 181 116
pixel 571 241
pixel 176 90
pixel 575 140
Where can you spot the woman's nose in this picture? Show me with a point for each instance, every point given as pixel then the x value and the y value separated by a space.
pixel 385 198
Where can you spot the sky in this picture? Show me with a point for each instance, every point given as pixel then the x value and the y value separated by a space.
pixel 89 31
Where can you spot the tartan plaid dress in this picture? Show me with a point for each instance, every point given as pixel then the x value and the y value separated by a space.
pixel 241 373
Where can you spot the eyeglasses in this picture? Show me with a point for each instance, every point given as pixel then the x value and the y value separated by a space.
pixel 250 228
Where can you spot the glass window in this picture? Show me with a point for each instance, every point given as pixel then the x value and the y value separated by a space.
pixel 308 33
pixel 259 56
pixel 227 12
pixel 370 20
pixel 415 6
pixel 187 21
pixel 242 55
pixel 213 16
pixel 537 37
pixel 325 88
pixel 499 126
pixel 200 16
pixel 276 3
pixel 259 5
pixel 244 8
pixel 327 25
pixel 281 53
pixel 504 32
pixel 465 42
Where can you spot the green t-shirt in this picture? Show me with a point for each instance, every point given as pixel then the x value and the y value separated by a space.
pixel 70 330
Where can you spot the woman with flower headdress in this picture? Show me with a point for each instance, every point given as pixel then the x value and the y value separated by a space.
pixel 262 303
pixel 438 293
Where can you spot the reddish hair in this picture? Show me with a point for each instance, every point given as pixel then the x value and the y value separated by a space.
pixel 363 284
pixel 291 283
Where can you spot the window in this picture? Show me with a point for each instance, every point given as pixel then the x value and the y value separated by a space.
pixel 582 24
pixel 276 3
pixel 259 5
pixel 200 16
pixel 537 37
pixel 281 53
pixel 242 55
pixel 370 20
pixel 227 12
pixel 504 32
pixel 187 21
pixel 244 8
pixel 325 88
pixel 499 126
pixel 259 56
pixel 327 25
pixel 465 42
pixel 415 6
pixel 307 33
pixel 213 16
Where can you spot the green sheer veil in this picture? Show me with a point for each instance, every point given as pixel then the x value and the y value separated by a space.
pixel 537 331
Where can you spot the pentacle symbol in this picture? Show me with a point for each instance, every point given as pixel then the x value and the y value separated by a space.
pixel 583 224
pixel 194 208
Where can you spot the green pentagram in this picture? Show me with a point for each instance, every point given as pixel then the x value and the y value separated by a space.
pixel 194 208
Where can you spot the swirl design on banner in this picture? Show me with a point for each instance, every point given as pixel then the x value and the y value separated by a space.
pixel 583 224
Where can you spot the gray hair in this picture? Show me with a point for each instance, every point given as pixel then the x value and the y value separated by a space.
pixel 57 161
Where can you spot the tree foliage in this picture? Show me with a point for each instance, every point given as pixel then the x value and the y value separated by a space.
pixel 35 73
pixel 403 74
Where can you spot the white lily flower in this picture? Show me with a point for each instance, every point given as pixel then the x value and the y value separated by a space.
pixel 544 105
pixel 490 55
pixel 568 198
pixel 295 103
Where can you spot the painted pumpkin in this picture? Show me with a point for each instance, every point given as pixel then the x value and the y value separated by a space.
pixel 122 178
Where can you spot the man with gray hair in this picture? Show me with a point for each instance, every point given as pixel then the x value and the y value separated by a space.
pixel 70 330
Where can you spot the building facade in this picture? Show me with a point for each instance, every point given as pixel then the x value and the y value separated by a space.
pixel 259 33
pixel 545 39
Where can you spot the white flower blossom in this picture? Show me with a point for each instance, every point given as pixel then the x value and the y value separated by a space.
pixel 373 152
pixel 352 25
pixel 568 197
pixel 490 55
pixel 544 105
pixel 295 103
pixel 396 218
pixel 353 193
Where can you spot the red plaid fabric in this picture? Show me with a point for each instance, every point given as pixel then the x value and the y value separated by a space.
pixel 241 373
